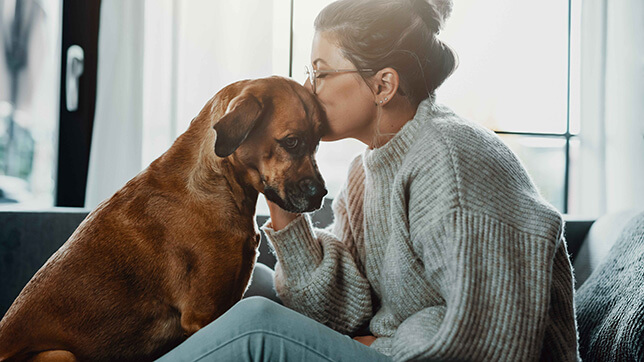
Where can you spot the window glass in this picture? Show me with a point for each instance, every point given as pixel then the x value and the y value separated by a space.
pixel 29 89
pixel 575 201
pixel 575 67
pixel 512 76
pixel 545 160
pixel 513 64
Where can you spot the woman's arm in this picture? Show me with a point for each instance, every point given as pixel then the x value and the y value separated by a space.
pixel 318 272
pixel 280 218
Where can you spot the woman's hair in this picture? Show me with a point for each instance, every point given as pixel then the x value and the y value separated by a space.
pixel 401 34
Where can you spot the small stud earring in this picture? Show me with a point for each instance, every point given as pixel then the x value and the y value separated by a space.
pixel 380 102
pixel 385 99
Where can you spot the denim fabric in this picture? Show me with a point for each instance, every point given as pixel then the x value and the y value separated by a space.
pixel 259 329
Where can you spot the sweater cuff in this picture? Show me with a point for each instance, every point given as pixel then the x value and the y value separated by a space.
pixel 296 247
pixel 382 345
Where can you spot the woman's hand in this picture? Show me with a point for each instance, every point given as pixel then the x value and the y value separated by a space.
pixel 366 340
pixel 279 217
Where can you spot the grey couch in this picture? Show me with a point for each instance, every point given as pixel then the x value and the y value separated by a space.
pixel 29 238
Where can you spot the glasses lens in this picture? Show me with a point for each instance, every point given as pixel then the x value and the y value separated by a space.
pixel 311 75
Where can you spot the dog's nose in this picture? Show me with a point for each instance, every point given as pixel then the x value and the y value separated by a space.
pixel 312 187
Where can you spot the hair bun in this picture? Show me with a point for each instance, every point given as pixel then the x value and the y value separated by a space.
pixel 442 8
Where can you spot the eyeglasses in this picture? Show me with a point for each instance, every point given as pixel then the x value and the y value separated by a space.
pixel 314 74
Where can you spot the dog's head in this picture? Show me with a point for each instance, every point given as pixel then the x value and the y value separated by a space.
pixel 271 128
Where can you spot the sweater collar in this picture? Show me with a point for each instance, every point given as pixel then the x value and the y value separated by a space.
pixel 392 152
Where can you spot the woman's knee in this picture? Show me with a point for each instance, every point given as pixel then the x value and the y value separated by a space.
pixel 257 310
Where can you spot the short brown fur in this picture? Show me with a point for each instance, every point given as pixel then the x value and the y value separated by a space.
pixel 174 248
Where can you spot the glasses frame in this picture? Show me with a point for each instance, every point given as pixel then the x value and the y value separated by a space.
pixel 313 74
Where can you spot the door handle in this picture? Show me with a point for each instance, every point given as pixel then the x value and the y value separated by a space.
pixel 75 63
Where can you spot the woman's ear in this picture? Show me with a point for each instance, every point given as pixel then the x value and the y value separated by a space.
pixel 386 83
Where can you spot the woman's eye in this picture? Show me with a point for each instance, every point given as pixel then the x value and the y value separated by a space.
pixel 291 142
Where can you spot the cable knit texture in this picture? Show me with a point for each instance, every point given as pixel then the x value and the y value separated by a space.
pixel 611 302
pixel 443 245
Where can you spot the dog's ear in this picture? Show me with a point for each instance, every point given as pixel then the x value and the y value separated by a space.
pixel 233 128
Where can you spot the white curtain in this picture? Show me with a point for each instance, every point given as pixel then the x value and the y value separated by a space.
pixel 160 61
pixel 612 107
pixel 116 151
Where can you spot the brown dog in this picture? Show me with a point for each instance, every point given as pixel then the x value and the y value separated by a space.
pixel 175 247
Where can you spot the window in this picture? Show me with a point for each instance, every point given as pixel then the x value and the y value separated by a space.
pixel 29 93
pixel 513 77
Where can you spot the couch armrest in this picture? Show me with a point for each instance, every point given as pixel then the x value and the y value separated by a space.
pixel 598 242
pixel 575 231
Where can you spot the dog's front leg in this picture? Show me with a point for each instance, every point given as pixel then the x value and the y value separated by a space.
pixel 197 313
pixel 192 321
pixel 206 302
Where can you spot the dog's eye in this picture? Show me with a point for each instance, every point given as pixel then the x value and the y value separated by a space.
pixel 291 142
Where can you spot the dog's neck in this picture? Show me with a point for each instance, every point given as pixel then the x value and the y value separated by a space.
pixel 193 159
pixel 243 192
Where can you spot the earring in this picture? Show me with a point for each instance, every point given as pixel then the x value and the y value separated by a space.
pixel 380 102
pixel 385 99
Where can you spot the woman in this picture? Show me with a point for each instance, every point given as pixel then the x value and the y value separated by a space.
pixel 441 249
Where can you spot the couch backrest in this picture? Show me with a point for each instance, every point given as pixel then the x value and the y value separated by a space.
pixel 29 238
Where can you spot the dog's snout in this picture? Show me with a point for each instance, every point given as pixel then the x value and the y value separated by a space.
pixel 312 188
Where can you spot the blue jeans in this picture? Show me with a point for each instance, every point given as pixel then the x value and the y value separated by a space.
pixel 259 329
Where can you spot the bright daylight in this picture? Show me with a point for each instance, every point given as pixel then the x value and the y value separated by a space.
pixel 303 180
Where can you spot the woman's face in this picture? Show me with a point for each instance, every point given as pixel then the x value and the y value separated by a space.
pixel 347 99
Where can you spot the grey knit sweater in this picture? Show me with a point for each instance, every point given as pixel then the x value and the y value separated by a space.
pixel 610 303
pixel 443 245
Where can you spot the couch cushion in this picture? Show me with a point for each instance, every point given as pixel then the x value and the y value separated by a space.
pixel 610 304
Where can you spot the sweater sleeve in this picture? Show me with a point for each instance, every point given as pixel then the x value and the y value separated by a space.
pixel 318 272
pixel 495 281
